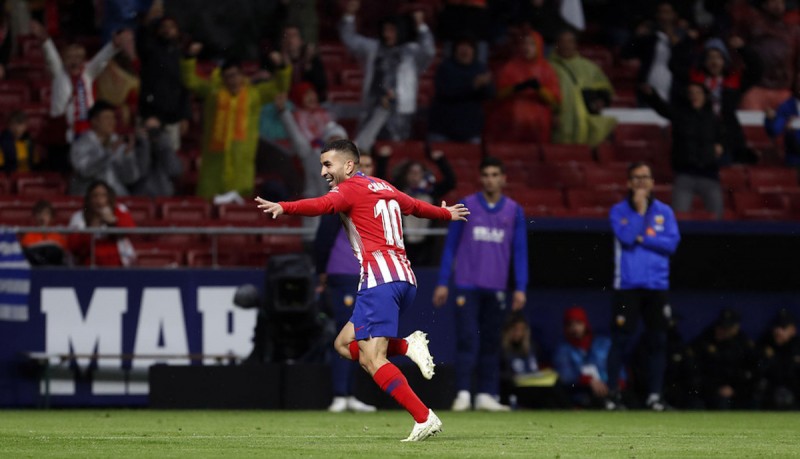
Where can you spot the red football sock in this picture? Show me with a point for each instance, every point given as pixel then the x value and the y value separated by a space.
pixel 397 346
pixel 392 381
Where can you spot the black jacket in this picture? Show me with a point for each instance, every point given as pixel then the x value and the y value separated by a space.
pixel 162 93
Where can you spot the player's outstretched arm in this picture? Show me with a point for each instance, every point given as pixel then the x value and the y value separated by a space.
pixel 457 212
pixel 269 207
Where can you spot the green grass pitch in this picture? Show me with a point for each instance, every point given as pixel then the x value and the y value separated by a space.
pixel 234 434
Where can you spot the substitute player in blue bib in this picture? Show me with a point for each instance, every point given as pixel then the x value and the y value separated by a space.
pixel 480 252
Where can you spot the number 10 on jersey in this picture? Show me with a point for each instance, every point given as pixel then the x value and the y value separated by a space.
pixel 391 216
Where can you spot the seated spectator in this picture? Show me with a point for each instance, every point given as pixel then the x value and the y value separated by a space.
pixel 775 44
pixel 102 154
pixel 585 92
pixel 522 381
pixel 697 139
pixel 778 385
pixel 581 361
pixel 17 150
pixel 391 67
pixel 724 83
pixel 724 363
pixel 528 93
pixel 462 85
pixel 652 46
pixel 783 121
pixel 43 248
pixel 73 77
pixel 162 94
pixel 415 179
pixel 100 210
pixel 231 106
pixel 157 162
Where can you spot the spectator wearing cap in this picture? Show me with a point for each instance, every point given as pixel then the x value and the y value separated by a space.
pixel 462 85
pixel 778 384
pixel 725 364
pixel 581 361
pixel 231 109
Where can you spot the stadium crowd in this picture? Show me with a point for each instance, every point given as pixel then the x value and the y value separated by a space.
pixel 123 113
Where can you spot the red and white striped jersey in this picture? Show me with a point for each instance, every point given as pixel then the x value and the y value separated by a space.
pixel 371 210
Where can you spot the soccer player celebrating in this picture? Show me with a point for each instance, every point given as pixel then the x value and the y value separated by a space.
pixel 371 211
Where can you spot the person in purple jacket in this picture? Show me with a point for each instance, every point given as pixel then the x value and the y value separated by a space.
pixel 479 252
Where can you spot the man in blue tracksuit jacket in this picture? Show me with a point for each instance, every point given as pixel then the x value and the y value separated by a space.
pixel 645 236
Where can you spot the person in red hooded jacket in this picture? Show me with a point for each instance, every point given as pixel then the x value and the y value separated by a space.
pixel 528 95
pixel 580 361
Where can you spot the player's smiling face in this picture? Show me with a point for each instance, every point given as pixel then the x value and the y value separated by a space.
pixel 336 167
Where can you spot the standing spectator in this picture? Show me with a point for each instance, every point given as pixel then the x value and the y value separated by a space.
pixel 652 45
pixel 159 164
pixel 391 67
pixel 416 180
pixel 338 272
pixel 528 93
pixel 724 85
pixel 118 85
pixel 585 91
pixel 232 106
pixel 480 251
pixel 102 154
pixel 460 17
pixel 545 17
pixel 43 248
pixel 311 118
pixel 162 93
pixel 306 63
pixel 783 121
pixel 725 363
pixel 463 84
pixel 17 151
pixel 73 77
pixel 101 210
pixel 697 140
pixel 776 44
pixel 581 361
pixel 778 375
pixel 645 235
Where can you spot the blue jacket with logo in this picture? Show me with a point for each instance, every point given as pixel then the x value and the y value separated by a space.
pixel 643 264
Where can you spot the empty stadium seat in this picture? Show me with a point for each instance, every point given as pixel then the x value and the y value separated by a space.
pixel 459 151
pixel 511 151
pixel 777 177
pixel 539 202
pixel 240 215
pixel 733 178
pixel 15 211
pixel 566 153
pixel 408 149
pixel 35 186
pixel 609 176
pixel 753 205
pixel 184 210
pixel 649 133
pixel 555 175
pixel 198 258
pixel 157 256
pixel 141 208
pixel 585 198
pixel 5 185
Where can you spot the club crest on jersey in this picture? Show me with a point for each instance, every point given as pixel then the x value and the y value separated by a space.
pixel 461 300
pixel 659 219
pixel 349 300
pixel 378 186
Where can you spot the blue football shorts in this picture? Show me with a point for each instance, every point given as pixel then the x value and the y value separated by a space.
pixel 377 309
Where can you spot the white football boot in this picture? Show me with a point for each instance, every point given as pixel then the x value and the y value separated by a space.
pixel 418 353
pixel 463 401
pixel 423 430
pixel 339 405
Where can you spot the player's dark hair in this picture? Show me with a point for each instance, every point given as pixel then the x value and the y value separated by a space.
pixel 344 146
pixel 491 161
pixel 637 164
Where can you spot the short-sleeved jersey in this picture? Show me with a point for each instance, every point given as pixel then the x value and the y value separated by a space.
pixel 371 210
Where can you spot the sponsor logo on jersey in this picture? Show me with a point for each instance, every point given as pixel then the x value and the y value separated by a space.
pixel 485 234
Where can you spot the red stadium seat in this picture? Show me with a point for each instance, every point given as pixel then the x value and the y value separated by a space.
pixel 733 178
pixel 5 185
pixel 584 198
pixel 142 209
pixel 241 215
pixel 157 256
pixel 649 133
pixel 409 149
pixel 752 205
pixel 508 151
pixel 611 176
pixel 283 243
pixel 566 153
pixel 184 210
pixel 539 202
pixel 695 215
pixel 15 211
pixel 40 186
pixel 554 175
pixel 458 150
pixel 198 258
pixel 762 177
pixel 64 207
